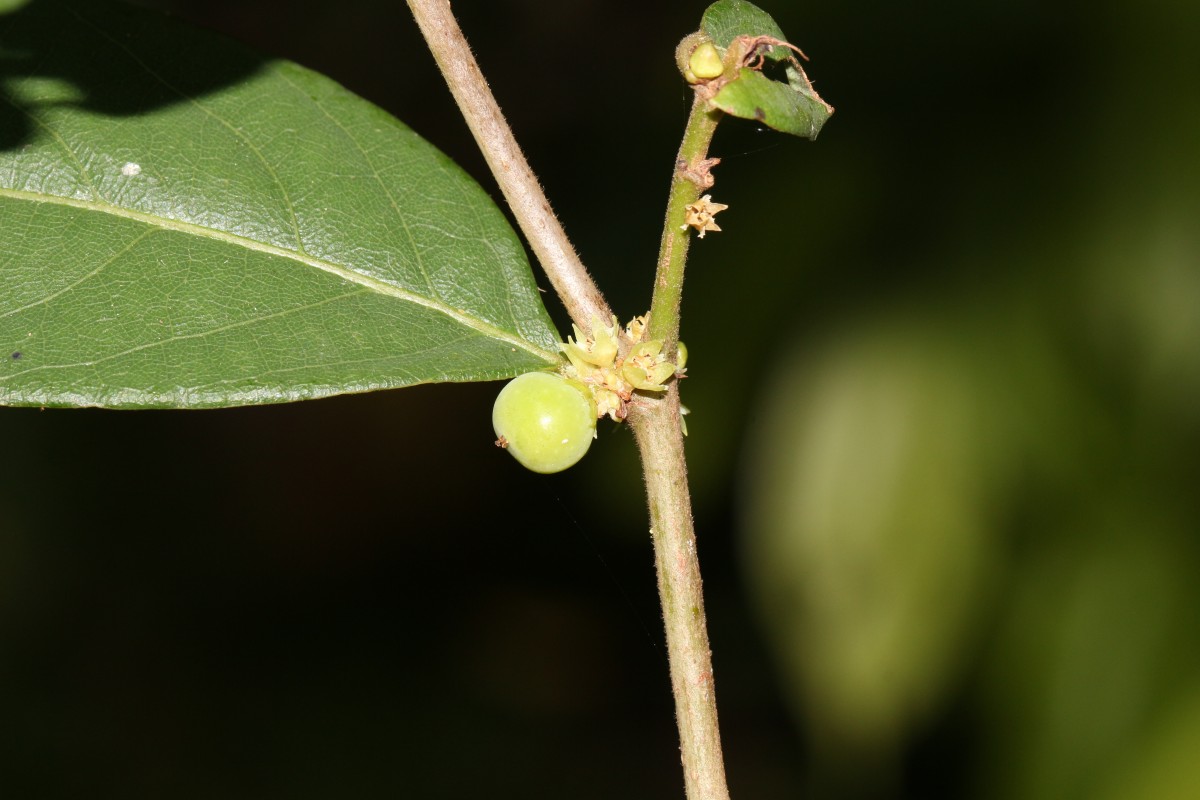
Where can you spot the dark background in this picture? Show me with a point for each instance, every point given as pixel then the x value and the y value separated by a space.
pixel 362 597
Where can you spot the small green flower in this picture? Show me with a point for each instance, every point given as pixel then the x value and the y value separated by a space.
pixel 595 362
pixel 646 368
pixel 596 350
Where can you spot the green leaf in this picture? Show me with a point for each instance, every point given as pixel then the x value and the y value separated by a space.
pixel 791 106
pixel 726 20
pixel 777 105
pixel 188 225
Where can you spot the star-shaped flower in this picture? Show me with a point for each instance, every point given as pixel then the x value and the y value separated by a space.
pixel 700 215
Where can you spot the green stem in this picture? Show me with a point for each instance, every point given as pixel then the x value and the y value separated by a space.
pixel 656 426
pixel 660 443
pixel 672 255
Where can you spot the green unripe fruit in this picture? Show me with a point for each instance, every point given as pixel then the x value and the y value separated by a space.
pixel 705 62
pixel 546 421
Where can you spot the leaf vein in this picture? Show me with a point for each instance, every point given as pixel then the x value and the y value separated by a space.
pixel 198 335
pixel 420 259
pixel 338 270
pixel 235 130
pixel 83 279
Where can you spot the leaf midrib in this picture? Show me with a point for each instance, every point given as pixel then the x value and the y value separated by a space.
pixel 345 273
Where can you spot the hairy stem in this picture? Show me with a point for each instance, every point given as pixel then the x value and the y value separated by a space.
pixel 660 442
pixel 656 425
pixel 655 421
pixel 571 281
pixel 687 183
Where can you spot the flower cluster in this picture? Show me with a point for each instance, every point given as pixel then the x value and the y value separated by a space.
pixel 614 362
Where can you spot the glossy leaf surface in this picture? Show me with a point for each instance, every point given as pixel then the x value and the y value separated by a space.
pixel 188 225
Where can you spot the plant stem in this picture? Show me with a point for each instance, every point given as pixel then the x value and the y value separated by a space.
pixel 571 281
pixel 655 421
pixel 660 442
pixel 689 166
pixel 656 426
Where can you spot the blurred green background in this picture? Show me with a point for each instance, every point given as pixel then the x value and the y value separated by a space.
pixel 944 446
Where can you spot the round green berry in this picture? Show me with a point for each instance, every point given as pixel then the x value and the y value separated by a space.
pixel 546 421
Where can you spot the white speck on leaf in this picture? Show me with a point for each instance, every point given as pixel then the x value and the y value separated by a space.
pixel 130 169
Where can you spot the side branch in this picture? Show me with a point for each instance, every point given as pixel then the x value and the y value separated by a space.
pixel 690 178
pixel 545 234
